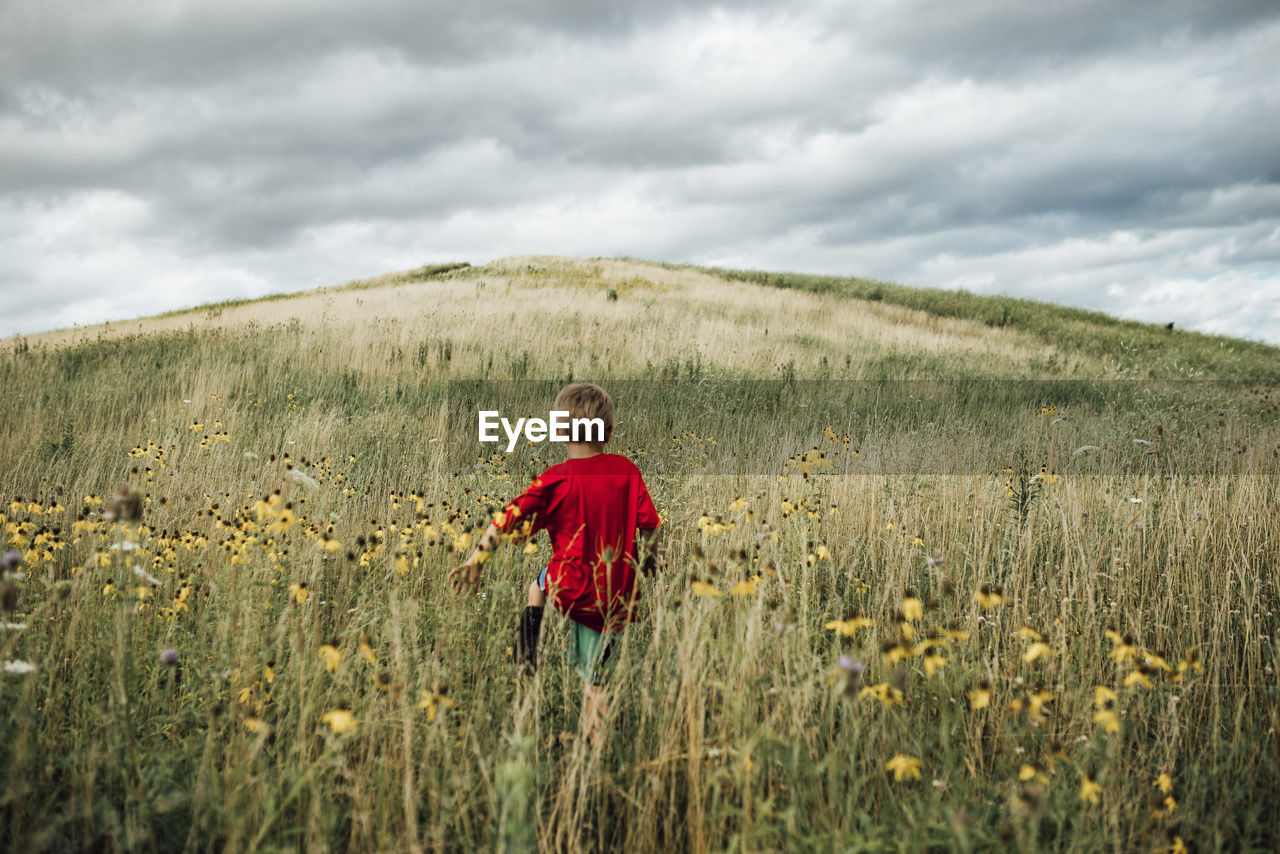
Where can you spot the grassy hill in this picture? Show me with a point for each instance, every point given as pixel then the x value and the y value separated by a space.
pixel 1129 348
pixel 819 449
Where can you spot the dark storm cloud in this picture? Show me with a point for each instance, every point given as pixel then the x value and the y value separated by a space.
pixel 1118 156
pixel 141 42
pixel 996 38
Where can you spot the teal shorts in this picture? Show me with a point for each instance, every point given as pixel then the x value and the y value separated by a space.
pixel 590 653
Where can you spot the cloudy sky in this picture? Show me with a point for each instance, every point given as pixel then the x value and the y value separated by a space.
pixel 1118 156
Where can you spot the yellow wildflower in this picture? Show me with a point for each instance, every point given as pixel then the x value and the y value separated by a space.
pixel 904 767
pixel 980 697
pixel 331 656
pixel 366 650
pixel 340 721
pixel 1036 650
pixel 282 523
pixel 1033 704
pixel 1036 703
pixel 912 607
pixel 702 588
pixel 1109 720
pixel 933 641
pixel 257 725
pixel 884 692
pixel 1189 663
pixel 850 626
pixel 989 597
pixel 433 701
pixel 1122 647
pixel 1089 790
pixel 892 653
pixel 1141 676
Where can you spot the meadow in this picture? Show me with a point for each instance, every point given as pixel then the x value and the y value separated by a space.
pixel 939 578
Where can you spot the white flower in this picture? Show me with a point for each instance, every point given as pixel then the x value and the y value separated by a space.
pixel 146 576
pixel 303 479
pixel 1084 449
pixel 16 666
pixel 1135 500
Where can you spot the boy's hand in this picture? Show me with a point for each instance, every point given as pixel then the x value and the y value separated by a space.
pixel 465 578
pixel 654 554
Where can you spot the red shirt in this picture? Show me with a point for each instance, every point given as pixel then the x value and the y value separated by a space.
pixel 591 507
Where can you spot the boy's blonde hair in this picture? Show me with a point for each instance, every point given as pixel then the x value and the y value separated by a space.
pixel 586 400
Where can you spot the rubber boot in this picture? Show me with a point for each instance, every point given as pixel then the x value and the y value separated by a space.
pixel 526 648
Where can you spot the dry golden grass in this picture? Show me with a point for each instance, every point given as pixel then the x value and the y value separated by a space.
pixel 684 314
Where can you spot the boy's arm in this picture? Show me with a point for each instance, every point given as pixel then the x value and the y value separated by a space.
pixel 465 577
pixel 649 544
pixel 648 531
pixel 522 512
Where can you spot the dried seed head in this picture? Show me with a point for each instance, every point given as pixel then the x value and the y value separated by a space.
pixel 8 596
pixel 125 505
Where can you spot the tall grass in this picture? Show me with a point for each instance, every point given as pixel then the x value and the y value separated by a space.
pixel 736 724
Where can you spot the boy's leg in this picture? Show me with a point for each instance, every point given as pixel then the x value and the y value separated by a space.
pixel 591 654
pixel 595 708
pixel 526 648
pixel 537 596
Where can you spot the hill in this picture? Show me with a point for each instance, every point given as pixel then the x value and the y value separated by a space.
pixel 1043 334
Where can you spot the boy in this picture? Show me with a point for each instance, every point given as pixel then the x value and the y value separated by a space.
pixel 599 514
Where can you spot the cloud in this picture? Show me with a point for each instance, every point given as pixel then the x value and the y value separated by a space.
pixel 155 154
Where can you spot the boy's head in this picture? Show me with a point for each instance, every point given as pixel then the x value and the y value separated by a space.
pixel 586 400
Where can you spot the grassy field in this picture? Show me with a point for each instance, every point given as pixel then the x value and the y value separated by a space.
pixel 936 581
